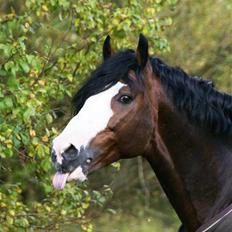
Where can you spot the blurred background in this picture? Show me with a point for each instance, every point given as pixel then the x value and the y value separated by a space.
pixel 47 49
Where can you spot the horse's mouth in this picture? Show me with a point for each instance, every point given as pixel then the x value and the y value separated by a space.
pixel 60 179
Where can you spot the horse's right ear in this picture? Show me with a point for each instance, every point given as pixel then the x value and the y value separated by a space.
pixel 107 51
pixel 142 55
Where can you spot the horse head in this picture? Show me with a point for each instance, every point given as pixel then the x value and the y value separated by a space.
pixel 115 116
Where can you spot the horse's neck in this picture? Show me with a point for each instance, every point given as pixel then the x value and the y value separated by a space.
pixel 193 168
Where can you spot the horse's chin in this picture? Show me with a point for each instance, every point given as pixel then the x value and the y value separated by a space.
pixel 60 179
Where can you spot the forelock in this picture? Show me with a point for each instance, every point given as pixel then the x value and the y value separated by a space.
pixel 106 75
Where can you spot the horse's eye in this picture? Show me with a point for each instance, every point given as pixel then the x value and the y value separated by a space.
pixel 125 99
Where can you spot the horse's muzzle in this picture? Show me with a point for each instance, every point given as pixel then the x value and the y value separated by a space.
pixel 72 158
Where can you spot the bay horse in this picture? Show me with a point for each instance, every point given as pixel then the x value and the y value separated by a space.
pixel 136 105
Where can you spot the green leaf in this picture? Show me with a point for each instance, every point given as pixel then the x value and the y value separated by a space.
pixel 8 102
pixel 9 65
pixel 28 113
pixel 49 118
pixel 25 66
pixel 12 81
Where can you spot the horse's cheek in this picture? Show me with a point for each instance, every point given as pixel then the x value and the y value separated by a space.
pixel 134 137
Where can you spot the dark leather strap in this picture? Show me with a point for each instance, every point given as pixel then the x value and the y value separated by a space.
pixel 215 221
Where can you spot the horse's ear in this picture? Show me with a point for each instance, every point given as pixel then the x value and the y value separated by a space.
pixel 142 51
pixel 107 51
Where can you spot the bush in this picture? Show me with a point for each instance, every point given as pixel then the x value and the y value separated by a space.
pixel 47 49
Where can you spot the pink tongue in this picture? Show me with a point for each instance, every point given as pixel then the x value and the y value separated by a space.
pixel 59 180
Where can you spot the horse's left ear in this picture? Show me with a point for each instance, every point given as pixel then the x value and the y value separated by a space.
pixel 142 51
pixel 106 50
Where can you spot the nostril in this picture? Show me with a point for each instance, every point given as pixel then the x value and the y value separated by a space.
pixel 71 149
pixel 53 156
pixel 70 153
pixel 89 160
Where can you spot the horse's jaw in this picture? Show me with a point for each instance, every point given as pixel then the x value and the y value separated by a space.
pixel 60 179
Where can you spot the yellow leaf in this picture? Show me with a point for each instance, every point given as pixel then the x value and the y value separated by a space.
pixel 9 220
pixel 63 212
pixel 32 95
pixel 48 208
pixel 18 189
pixel 44 7
pixel 27 25
pixel 45 138
pixel 2 205
pixel 32 133
pixel 11 212
pixel 41 82
pixel 115 22
pixel 8 141
pixel 9 145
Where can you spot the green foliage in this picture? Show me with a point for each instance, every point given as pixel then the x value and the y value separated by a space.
pixel 201 40
pixel 138 203
pixel 47 48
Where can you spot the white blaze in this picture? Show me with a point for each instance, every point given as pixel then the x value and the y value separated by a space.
pixel 92 118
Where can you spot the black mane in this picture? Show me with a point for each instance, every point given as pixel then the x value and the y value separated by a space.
pixel 196 98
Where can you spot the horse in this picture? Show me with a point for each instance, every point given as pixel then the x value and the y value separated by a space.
pixel 134 104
